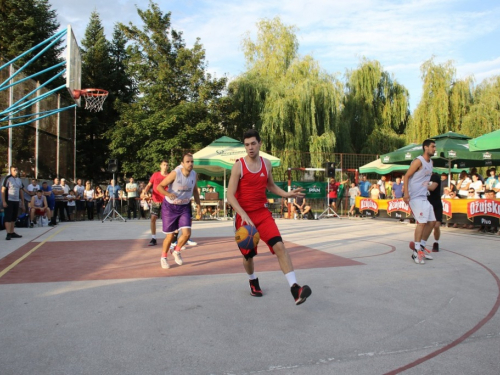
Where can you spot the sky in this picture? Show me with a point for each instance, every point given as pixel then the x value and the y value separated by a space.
pixel 400 34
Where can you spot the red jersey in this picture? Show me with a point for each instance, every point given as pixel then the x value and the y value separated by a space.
pixel 333 190
pixel 155 180
pixel 251 191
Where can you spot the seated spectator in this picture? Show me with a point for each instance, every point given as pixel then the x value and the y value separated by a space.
pixel 353 193
pixel 472 194
pixel 39 207
pixel 374 192
pixel 446 193
pixel 299 207
pixel 463 185
pixel 492 180
pixel 476 184
pixel 30 192
pixel 51 202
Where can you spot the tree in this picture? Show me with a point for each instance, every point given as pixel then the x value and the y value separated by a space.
pixel 291 100
pixel 23 25
pixel 178 105
pixel 376 111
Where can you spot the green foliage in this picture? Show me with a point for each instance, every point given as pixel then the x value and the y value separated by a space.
pixel 178 106
pixel 376 111
pixel 23 25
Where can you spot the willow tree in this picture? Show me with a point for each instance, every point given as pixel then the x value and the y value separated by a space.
pixel 292 101
pixel 376 110
pixel 484 114
pixel 445 101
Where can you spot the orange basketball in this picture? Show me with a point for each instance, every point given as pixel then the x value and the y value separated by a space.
pixel 247 237
pixel 198 217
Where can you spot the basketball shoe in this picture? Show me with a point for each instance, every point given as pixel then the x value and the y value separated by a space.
pixel 191 243
pixel 435 247
pixel 164 263
pixel 152 242
pixel 300 293
pixel 178 258
pixel 255 288
pixel 425 253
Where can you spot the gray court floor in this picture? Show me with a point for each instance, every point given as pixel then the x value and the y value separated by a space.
pixel 385 315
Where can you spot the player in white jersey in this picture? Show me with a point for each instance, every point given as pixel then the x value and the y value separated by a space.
pixel 176 207
pixel 415 193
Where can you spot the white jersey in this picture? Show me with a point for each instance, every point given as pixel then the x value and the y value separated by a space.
pixel 419 182
pixel 182 187
pixel 38 202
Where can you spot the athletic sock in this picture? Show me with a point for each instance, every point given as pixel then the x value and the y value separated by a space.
pixel 436 241
pixel 417 246
pixel 164 255
pixel 177 248
pixel 153 236
pixel 252 276
pixel 423 242
pixel 290 276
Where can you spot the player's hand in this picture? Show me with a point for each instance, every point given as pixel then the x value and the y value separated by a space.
pixel 406 198
pixel 198 210
pixel 296 193
pixel 4 204
pixel 246 220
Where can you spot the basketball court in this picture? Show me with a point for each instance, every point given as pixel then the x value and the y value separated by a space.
pixel 91 297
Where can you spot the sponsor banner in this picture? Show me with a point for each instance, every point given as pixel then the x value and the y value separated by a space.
pixel 368 205
pixel 313 190
pixel 483 207
pixel 398 206
pixel 447 208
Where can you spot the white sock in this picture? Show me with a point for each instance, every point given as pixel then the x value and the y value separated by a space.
pixel 153 236
pixel 417 246
pixel 290 276
pixel 423 242
pixel 436 241
pixel 252 276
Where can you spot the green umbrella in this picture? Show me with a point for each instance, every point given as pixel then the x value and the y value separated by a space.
pixel 378 167
pixel 452 151
pixel 486 142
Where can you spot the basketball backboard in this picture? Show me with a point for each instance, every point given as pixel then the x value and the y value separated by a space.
pixel 73 65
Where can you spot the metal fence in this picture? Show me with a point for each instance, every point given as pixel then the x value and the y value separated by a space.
pixel 44 148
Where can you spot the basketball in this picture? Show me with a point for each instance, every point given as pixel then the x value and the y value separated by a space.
pixel 198 217
pixel 247 237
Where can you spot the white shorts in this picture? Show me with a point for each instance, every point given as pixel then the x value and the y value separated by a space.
pixel 422 210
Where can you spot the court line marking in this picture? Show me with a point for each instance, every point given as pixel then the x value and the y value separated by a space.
pixel 15 263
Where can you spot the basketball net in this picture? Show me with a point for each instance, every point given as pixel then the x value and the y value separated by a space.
pixel 94 98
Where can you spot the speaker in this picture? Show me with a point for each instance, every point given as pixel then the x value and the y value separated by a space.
pixel 330 169
pixel 113 165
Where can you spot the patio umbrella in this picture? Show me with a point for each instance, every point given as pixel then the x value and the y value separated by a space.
pixel 452 151
pixel 220 155
pixel 486 142
pixel 378 167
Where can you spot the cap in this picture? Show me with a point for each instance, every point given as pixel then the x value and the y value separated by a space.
pixel 63 179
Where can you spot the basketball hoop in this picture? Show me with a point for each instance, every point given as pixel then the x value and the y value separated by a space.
pixel 94 98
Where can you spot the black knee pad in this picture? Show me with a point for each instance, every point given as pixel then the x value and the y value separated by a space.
pixel 248 253
pixel 273 241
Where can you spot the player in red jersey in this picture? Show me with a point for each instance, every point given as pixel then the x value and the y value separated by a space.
pixel 154 181
pixel 246 192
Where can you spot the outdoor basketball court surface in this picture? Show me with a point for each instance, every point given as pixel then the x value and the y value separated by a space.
pixel 91 298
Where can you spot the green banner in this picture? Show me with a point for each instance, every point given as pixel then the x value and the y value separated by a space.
pixel 313 190
pixel 218 187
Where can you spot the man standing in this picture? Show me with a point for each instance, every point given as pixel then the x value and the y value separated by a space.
pixel 246 193
pixel 176 208
pixel 434 199
pixel 364 187
pixel 58 192
pixel 333 193
pixel 12 195
pixel 131 189
pixel 397 189
pixel 415 193
pixel 65 196
pixel 382 191
pixel 155 211
pixel 79 190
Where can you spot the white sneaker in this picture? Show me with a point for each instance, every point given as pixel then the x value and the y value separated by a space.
pixel 164 263
pixel 414 256
pixel 191 243
pixel 178 258
pixel 172 247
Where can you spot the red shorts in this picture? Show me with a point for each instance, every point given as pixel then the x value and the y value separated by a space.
pixel 265 224
pixel 39 212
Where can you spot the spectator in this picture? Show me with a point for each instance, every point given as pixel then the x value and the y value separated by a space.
pixel 131 189
pixel 99 201
pixel 299 206
pixel 446 193
pixel 39 207
pixel 51 202
pixel 397 189
pixel 444 182
pixel 496 189
pixel 30 192
pixel 333 192
pixel 12 191
pixel 374 192
pixel 492 180
pixel 145 201
pixel 453 195
pixel 353 193
pixel 58 192
pixel 488 194
pixel 463 185
pixel 79 190
pixel 71 204
pixel 88 195
pixel 382 188
pixel 364 187
pixel 474 171
pixel 477 185
pixel 65 194
pixel 472 194
pixel 113 190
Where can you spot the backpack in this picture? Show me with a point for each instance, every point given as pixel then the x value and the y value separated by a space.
pixel 22 221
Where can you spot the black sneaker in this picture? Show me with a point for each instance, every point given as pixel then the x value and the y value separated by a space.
pixel 32 225
pixel 152 242
pixel 435 247
pixel 255 288
pixel 8 237
pixel 300 293
pixel 15 235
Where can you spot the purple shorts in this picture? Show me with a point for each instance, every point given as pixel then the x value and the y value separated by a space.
pixel 175 216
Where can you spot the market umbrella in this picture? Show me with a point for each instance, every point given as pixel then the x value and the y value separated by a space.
pixel 452 151
pixel 220 155
pixel 378 167
pixel 486 142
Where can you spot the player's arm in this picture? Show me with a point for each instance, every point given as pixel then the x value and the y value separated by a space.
pixel 146 189
pixel 415 166
pixel 163 185
pixel 432 186
pixel 196 196
pixel 232 186
pixel 4 194
pixel 273 188
pixel 32 202
pixel 45 204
